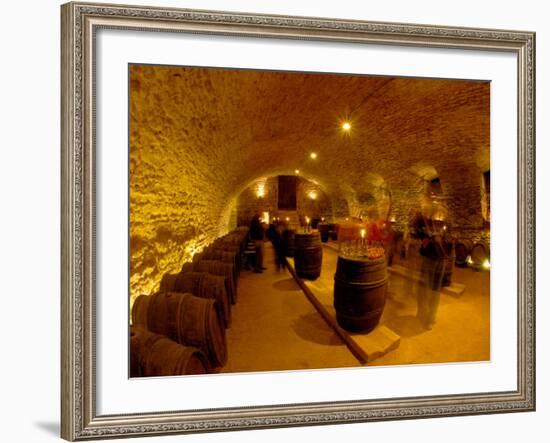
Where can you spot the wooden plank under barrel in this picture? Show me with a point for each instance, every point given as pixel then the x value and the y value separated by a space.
pixel 308 254
pixel 360 286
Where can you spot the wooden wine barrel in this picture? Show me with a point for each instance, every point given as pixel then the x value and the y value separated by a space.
pixel 213 253
pixel 479 254
pixel 323 230
pixel 186 319
pixel 226 270
pixel 168 282
pixel 229 253
pixel 187 267
pixel 288 242
pixel 360 293
pixel 308 255
pixel 206 285
pixel 462 250
pixel 139 310
pixel 153 355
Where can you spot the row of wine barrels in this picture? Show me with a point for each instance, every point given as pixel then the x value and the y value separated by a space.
pixel 205 285
pixel 186 319
pixel 288 242
pixel 308 255
pixel 212 253
pixel 154 355
pixel 479 254
pixel 360 287
pixel 226 270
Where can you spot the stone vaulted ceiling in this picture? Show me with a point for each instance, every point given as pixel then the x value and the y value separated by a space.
pixel 199 136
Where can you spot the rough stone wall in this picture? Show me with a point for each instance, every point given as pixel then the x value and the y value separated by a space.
pixel 199 137
pixel 313 208
pixel 250 201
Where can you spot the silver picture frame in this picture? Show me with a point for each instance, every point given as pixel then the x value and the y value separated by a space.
pixel 80 22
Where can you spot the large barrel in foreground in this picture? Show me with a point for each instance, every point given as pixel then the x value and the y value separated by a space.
pixel 360 293
pixel 153 355
pixel 308 255
pixel 186 319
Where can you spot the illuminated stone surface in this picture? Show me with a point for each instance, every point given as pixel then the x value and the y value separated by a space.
pixel 199 137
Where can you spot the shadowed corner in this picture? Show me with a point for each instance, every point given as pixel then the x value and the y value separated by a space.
pixel 49 427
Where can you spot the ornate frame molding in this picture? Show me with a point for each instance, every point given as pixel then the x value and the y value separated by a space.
pixel 79 23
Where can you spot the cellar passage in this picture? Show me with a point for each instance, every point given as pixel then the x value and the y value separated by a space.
pixel 210 149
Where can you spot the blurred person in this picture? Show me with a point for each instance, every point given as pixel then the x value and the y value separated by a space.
pixel 257 236
pixel 433 254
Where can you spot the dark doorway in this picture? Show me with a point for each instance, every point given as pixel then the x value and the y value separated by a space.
pixel 287 192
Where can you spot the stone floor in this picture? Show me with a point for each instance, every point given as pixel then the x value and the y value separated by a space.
pixel 275 327
pixel 462 329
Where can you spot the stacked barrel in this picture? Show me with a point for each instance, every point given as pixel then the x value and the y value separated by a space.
pixel 181 329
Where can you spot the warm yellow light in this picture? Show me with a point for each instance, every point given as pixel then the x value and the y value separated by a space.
pixel 469 260
pixel 486 264
pixel 322 218
pixel 363 232
pixel 346 126
pixel 260 190
pixel 313 155
pixel 287 219
pixel 392 219
pixel 296 171
pixel 312 195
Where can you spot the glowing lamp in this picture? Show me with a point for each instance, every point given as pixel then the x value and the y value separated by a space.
pixel 363 232
pixel 312 195
pixel 346 126
pixel 296 171
pixel 313 155
pixel 486 264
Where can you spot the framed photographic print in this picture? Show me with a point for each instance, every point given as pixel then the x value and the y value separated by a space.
pixel 280 221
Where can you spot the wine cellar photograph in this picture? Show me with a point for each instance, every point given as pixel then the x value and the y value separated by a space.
pixel 285 221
